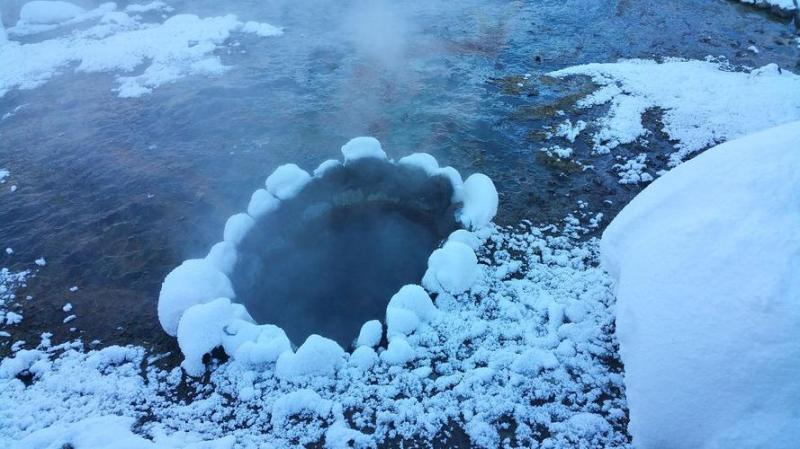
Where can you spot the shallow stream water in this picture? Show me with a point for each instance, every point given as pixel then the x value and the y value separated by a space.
pixel 116 192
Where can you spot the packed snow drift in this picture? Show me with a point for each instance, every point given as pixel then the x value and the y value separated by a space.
pixel 707 268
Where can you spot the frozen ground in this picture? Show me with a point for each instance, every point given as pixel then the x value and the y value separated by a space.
pixel 734 103
pixel 115 192
pixel 706 262
pixel 526 358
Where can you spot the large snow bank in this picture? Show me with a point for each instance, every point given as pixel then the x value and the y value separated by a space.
pixel 733 103
pixel 707 263
pixel 183 45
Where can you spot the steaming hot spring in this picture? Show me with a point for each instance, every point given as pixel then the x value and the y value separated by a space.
pixel 349 257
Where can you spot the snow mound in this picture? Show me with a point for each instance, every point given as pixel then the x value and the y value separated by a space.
pixel 452 269
pixel 223 257
pixel 325 166
pixel 424 161
pixel 480 202
pixel 195 281
pixel 370 334
pixel 317 356
pixel 237 227
pixel 200 330
pixel 734 103
pixel 465 237
pixel 286 181
pixel 113 432
pixel 706 261
pixel 362 147
pixel 183 45
pixel 262 203
pixel 399 352
pixel 254 345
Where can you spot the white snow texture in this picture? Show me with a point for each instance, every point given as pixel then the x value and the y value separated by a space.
pixel 707 264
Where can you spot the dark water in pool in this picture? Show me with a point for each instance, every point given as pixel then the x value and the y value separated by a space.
pixel 329 259
pixel 116 192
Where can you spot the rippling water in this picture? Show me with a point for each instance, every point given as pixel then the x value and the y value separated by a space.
pixel 115 192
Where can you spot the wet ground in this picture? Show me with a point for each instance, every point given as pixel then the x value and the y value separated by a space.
pixel 116 192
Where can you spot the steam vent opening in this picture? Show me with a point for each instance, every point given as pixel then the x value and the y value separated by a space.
pixel 330 258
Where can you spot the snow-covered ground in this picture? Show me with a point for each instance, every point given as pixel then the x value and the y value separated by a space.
pixel 122 42
pixel 788 6
pixel 525 355
pixel 703 103
pixel 707 268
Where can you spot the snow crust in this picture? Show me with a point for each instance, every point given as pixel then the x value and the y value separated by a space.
pixel 734 103
pixel 706 261
pixel 362 147
pixel 254 345
pixel 182 45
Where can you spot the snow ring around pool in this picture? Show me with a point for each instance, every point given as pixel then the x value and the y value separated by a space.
pixel 199 304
